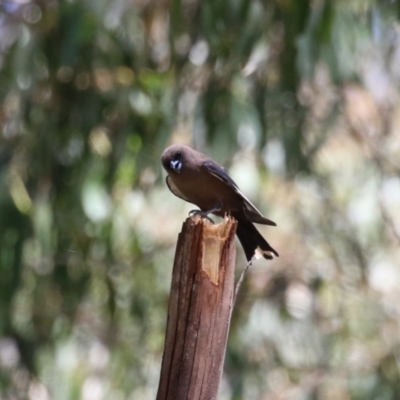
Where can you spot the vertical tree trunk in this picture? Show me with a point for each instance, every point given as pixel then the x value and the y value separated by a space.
pixel 199 312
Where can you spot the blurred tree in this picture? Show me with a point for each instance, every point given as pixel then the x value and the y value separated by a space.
pixel 299 99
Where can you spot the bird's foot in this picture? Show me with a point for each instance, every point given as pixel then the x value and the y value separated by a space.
pixel 201 214
pixel 204 214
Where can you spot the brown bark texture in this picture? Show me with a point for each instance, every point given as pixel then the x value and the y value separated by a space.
pixel 199 312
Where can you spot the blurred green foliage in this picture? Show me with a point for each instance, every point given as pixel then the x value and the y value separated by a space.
pixel 298 98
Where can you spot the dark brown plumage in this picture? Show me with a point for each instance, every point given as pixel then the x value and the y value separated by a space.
pixel 195 178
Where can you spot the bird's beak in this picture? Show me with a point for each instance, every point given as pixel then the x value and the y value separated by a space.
pixel 176 165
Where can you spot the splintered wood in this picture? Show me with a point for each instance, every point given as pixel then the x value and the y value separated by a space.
pixel 199 311
pixel 214 240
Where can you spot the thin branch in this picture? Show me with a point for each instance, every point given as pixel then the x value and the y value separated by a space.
pixel 240 281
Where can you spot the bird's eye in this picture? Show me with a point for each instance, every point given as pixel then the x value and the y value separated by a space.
pixel 178 155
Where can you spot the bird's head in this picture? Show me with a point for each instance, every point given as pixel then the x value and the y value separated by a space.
pixel 173 158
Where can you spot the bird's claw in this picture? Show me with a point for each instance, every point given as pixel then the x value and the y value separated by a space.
pixel 201 214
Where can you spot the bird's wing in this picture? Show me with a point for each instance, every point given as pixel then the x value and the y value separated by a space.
pixel 251 210
pixel 219 172
pixel 172 187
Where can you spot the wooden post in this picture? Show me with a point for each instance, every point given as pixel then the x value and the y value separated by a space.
pixel 199 310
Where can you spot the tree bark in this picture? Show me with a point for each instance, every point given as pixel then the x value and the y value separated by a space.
pixel 199 311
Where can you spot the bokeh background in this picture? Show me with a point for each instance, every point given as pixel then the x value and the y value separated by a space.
pixel 299 99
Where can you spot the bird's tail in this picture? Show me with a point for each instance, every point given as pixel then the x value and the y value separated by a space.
pixel 252 240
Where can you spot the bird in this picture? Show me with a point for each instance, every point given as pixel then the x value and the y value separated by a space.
pixel 199 180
